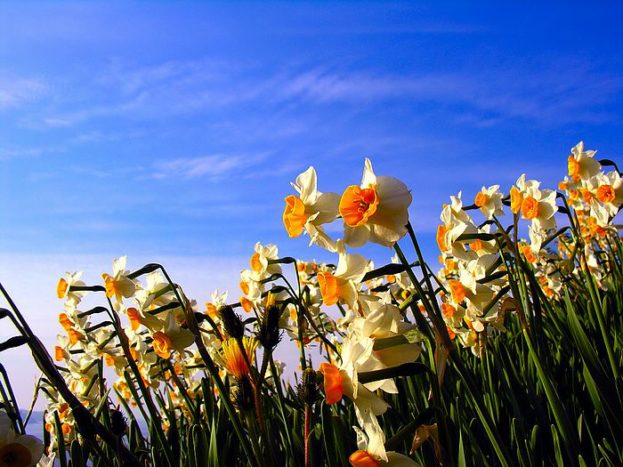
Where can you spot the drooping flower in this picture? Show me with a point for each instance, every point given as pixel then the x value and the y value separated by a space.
pixel 376 210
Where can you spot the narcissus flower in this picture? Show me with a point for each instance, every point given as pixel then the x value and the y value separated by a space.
pixel 489 201
pixel 607 190
pixel 371 452
pixel 538 206
pixel 259 261
pixel 455 222
pixel 17 450
pixel 338 383
pixel 311 209
pixel 581 163
pixel 341 285
pixel 376 210
pixel 119 284
pixel 63 288
pixel 382 323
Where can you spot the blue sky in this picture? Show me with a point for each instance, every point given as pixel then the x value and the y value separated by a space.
pixel 172 130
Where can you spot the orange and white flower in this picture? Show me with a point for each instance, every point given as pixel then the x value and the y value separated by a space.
pixel 538 206
pixel 372 453
pixel 489 201
pixel 343 284
pixel 581 164
pixel 455 222
pixel 607 191
pixel 376 210
pixel 63 288
pixel 310 210
pixel 119 285
pixel 260 261
pixel 339 382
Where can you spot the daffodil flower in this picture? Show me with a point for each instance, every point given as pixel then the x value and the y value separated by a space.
pixel 607 191
pixel 310 210
pixel 489 201
pixel 376 210
pixel 119 285
pixel 581 164
pixel 371 452
pixel 342 285
pixel 383 322
pixel 63 288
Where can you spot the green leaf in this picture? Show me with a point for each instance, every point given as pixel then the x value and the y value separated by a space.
pixel 406 369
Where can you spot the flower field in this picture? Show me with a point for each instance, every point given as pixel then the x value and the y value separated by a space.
pixel 509 352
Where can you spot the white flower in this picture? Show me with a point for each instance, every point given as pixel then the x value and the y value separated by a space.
pixel 376 210
pixel 489 201
pixel 20 450
pixel 310 210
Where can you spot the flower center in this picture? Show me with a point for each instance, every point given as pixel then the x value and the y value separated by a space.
pixel 441 238
pixel 606 194
pixel 458 291
pixel 516 200
pixel 357 205
pixel 574 168
pixel 294 216
pixel 530 208
pixel 61 288
pixel 481 199
pixel 15 455
pixel 256 264
pixel 328 288
pixel 162 344
pixel 333 389
pixel 362 459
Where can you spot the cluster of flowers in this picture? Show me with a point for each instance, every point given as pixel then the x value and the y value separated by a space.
pixel 476 288
pixel 373 333
pixel 155 328
pixel 474 292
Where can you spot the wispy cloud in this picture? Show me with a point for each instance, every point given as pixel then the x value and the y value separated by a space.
pixel 16 92
pixel 210 166
pixel 552 93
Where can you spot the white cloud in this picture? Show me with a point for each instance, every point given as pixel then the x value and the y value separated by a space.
pixel 16 92
pixel 210 166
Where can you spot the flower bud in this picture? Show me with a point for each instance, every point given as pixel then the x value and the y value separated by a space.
pixel 269 335
pixel 243 396
pixel 308 389
pixel 231 322
pixel 118 424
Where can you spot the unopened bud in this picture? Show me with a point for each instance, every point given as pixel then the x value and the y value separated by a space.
pixel 118 424
pixel 243 396
pixel 269 335
pixel 308 389
pixel 231 322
